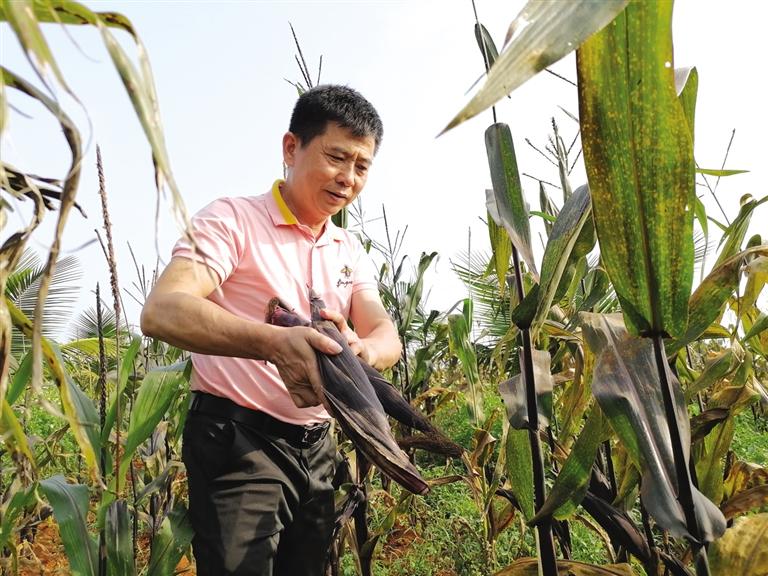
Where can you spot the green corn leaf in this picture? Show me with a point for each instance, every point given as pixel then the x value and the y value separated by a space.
pixel 523 314
pixel 561 247
pixel 710 296
pixel 501 248
pixel 626 385
pixel 486 45
pixel 716 369
pixel 13 434
pixel 710 463
pixel 548 218
pixel 462 348
pixel 126 369
pixel 639 159
pixel 20 379
pixel 156 393
pixel 506 203
pixel 733 238
pixel 700 212
pixel 573 480
pixel 519 464
pixel 757 277
pixel 415 289
pixel 119 540
pixel 541 35
pixel 78 408
pixel 760 325
pixel 687 87
pixel 719 173
pixel 20 15
pixel 742 548
pixel 170 542
pixel 139 83
pixel 70 508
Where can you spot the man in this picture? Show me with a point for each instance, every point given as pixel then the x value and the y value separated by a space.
pixel 258 458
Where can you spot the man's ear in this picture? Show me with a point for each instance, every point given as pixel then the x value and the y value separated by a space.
pixel 290 145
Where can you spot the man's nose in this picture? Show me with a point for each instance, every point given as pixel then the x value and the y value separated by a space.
pixel 346 175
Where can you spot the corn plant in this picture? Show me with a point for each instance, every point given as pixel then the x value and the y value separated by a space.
pixel 636 119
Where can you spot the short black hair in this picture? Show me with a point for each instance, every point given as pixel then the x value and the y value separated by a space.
pixel 334 103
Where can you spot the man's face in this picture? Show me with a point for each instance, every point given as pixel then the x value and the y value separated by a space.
pixel 327 174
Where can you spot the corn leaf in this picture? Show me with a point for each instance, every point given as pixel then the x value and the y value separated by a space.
pixel 20 379
pixel 501 249
pixel 742 548
pixel 719 173
pixel 757 277
pixel 506 203
pixel 486 45
pixel 464 350
pixel 19 500
pixel 70 508
pixel 573 480
pixel 415 289
pixel 733 238
pixel 717 368
pixel 626 385
pixel 619 526
pixel 126 368
pixel 639 159
pixel 687 87
pixel 710 296
pixel 13 434
pixel 561 250
pixel 760 325
pixel 78 408
pixel 156 393
pixel 513 392
pixel 519 464
pixel 541 35
pixel 119 539
pixel 139 83
pixel 749 499
pixel 12 249
pixel 170 542
pixel 20 15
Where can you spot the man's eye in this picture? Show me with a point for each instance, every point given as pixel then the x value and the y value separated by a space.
pixel 336 158
pixel 362 169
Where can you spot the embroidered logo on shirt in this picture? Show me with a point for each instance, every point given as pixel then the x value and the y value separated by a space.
pixel 347 273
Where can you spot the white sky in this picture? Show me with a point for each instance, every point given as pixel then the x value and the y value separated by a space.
pixel 219 69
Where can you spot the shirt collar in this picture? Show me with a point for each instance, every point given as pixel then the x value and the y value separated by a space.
pixel 282 216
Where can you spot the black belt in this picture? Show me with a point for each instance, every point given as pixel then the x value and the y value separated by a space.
pixel 302 436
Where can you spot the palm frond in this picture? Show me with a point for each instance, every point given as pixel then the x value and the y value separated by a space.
pixel 491 308
pixel 23 287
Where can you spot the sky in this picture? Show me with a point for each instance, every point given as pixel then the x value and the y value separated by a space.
pixel 220 71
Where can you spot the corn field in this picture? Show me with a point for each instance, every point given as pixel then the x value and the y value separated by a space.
pixel 592 395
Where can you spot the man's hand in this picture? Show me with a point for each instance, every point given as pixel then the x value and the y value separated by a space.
pixel 356 344
pixel 295 359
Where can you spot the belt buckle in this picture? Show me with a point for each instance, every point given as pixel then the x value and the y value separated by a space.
pixel 313 434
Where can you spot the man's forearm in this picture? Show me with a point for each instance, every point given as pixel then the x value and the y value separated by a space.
pixel 199 325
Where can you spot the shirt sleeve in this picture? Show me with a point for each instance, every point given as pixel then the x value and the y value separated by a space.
pixel 365 275
pixel 218 236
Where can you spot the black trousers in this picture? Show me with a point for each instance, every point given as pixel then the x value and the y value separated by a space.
pixel 260 505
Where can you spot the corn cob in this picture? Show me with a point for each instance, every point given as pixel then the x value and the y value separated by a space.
pixel 350 397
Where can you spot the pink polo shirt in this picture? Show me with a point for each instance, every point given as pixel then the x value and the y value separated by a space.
pixel 259 250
